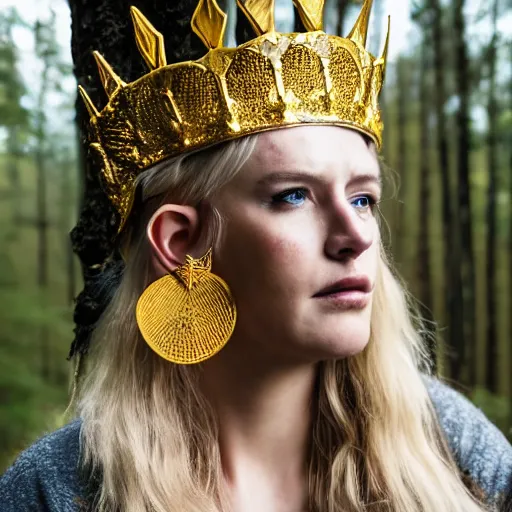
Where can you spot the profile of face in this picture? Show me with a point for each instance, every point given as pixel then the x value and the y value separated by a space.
pixel 300 244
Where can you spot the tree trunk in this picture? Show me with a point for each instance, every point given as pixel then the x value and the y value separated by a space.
pixel 106 26
pixel 510 249
pixel 66 216
pixel 13 172
pixel 467 268
pixel 42 216
pixel 16 117
pixel 424 271
pixel 492 149
pixel 403 84
pixel 452 284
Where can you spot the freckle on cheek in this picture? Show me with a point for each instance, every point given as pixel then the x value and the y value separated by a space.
pixel 283 250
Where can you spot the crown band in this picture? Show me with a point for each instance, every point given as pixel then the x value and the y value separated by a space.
pixel 274 81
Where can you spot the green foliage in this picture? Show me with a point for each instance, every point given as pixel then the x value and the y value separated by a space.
pixel 35 315
pixel 12 114
pixel 31 396
pixel 496 407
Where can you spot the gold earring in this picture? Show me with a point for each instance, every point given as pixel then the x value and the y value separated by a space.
pixel 188 316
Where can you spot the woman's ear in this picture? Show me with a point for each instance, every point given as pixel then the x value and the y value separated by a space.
pixel 172 232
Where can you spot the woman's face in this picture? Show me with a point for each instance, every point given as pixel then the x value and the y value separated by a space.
pixel 300 243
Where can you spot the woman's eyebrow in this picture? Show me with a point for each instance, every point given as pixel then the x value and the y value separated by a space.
pixel 279 176
pixel 365 178
pixel 287 176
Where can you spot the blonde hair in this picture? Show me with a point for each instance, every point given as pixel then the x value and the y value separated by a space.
pixel 150 437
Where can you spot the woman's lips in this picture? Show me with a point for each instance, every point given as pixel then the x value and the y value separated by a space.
pixel 349 293
pixel 347 299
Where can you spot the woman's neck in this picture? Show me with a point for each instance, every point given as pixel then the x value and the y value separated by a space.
pixel 264 417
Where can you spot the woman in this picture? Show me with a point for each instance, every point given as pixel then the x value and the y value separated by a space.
pixel 311 390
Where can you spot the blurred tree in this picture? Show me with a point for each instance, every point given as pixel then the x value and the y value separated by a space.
pixel 462 238
pixel 510 232
pixel 13 116
pixel 403 103
pixel 422 15
pixel 452 284
pixel 47 51
pixel 66 164
pixel 28 401
pixel 492 152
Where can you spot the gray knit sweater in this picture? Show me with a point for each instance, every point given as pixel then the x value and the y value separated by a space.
pixel 45 477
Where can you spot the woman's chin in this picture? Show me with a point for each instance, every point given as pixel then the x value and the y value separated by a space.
pixel 341 340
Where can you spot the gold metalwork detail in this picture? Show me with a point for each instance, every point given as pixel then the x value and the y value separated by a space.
pixel 260 14
pixel 111 82
pixel 311 13
pixel 273 81
pixel 177 118
pixel 188 316
pixel 382 60
pixel 192 271
pixel 149 41
pixel 89 105
pixel 359 33
pixel 209 23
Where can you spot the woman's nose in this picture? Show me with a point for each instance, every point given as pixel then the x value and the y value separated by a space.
pixel 350 231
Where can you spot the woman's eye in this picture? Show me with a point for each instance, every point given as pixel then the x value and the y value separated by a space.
pixel 363 202
pixel 295 197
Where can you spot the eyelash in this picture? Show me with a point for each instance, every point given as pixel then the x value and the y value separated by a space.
pixel 280 198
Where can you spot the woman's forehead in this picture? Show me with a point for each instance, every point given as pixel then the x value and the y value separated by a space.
pixel 313 148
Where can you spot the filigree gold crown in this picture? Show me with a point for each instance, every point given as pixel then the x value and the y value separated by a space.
pixel 273 81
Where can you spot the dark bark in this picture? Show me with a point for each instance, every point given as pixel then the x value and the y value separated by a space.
pixel 424 271
pixel 467 267
pixel 492 149
pixel 106 26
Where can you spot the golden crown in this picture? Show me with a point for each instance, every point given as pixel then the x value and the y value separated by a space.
pixel 273 81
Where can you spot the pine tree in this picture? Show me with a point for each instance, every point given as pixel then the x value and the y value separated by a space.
pixel 492 151
pixel 13 116
pixel 464 240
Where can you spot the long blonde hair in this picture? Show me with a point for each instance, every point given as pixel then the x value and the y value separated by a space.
pixel 150 436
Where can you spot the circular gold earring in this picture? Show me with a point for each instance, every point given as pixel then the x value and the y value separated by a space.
pixel 188 316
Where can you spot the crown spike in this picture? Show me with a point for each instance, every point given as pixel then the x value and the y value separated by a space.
pixel 111 82
pixel 209 23
pixel 311 13
pixel 382 60
pixel 260 14
pixel 93 112
pixel 149 41
pixel 359 33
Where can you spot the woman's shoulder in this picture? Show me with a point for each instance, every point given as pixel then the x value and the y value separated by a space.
pixel 480 449
pixel 45 476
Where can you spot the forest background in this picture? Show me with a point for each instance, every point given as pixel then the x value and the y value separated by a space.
pixel 447 108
